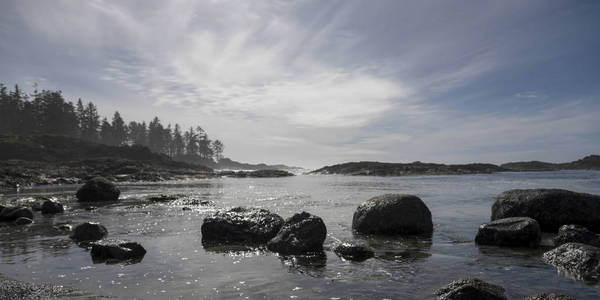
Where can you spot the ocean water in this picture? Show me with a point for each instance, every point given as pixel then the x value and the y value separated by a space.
pixel 178 266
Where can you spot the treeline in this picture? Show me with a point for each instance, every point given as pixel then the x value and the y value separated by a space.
pixel 48 112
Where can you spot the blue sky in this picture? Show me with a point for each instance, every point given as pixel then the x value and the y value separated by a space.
pixel 312 83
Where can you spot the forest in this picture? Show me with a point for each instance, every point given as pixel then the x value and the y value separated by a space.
pixel 47 112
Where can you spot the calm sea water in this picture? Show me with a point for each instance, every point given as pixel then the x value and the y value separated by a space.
pixel 177 265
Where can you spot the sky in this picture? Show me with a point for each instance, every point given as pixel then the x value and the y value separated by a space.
pixel 314 83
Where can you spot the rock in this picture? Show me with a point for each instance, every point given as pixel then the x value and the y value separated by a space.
pixel 576 234
pixel 301 233
pixel 163 198
pixel 269 173
pixel 510 232
pixel 12 213
pixel 90 208
pixel 186 208
pixel 351 251
pixel 551 296
pixel 37 205
pixel 240 224
pixel 65 227
pixel 23 221
pixel 552 208
pixel 52 207
pixel 393 214
pixel 116 249
pixel 89 231
pixel 471 289
pixel 98 189
pixel 577 260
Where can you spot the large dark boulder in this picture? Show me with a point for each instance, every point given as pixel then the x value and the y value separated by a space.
pixel 470 289
pixel 549 296
pixel 302 233
pixel 89 231
pixel 98 189
pixel 552 208
pixel 579 261
pixel 52 207
pixel 510 232
pixel 116 249
pixel 350 251
pixel 9 214
pixel 393 214
pixel 241 225
pixel 23 221
pixel 576 234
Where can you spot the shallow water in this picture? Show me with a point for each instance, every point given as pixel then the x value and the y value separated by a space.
pixel 177 265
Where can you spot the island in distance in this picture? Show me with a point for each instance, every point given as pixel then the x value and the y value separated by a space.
pixel 370 168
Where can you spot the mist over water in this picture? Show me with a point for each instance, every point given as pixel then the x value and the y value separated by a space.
pixel 178 265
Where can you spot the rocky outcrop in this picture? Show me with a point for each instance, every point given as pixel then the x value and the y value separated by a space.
pixel 549 296
pixel 9 214
pixel 576 234
pixel 470 289
pixel 510 232
pixel 98 189
pixel 302 233
pixel 241 225
pixel 350 251
pixel 393 214
pixel 51 207
pixel 116 249
pixel 552 208
pixel 89 231
pixel 579 261
pixel 256 174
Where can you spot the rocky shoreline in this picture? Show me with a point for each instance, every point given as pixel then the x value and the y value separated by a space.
pixel 15 289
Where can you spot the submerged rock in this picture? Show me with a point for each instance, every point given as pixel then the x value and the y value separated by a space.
pixel 23 221
pixel 301 233
pixel 240 224
pixel 12 213
pixel 52 207
pixel 98 189
pixel 579 261
pixel 393 214
pixel 89 231
pixel 470 289
pixel 552 208
pixel 163 198
pixel 116 249
pixel 550 296
pixel 576 234
pixel 510 232
pixel 354 252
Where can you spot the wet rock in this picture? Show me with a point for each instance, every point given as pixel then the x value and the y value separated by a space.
pixel 163 198
pixel 552 208
pixel 186 208
pixel 52 207
pixel 576 234
pixel 471 289
pixel 577 260
pixel 550 296
pixel 89 231
pixel 90 208
pixel 23 221
pixel 393 214
pixel 98 189
pixel 37 205
pixel 116 249
pixel 510 232
pixel 240 224
pixel 269 173
pixel 354 252
pixel 301 233
pixel 9 214
pixel 65 227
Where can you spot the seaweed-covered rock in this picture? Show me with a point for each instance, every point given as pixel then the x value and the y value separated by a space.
pixel 23 221
pixel 578 260
pixel 510 232
pixel 393 214
pixel 241 225
pixel 552 208
pixel 354 252
pixel 301 233
pixel 9 214
pixel 89 231
pixel 52 207
pixel 576 234
pixel 470 289
pixel 116 249
pixel 549 296
pixel 98 189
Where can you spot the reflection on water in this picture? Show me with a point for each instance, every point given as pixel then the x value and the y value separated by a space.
pixel 178 264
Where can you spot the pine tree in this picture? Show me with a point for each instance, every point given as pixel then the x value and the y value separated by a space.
pixel 178 143
pixel 119 130
pixel 106 134
pixel 218 147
